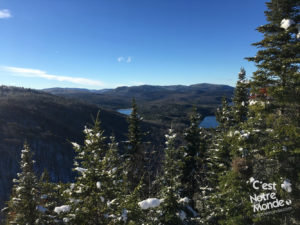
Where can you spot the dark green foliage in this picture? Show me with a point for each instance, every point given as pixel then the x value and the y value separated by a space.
pixel 241 97
pixel 48 199
pixel 135 154
pixel 225 116
pixel 22 207
pixel 193 157
pixel 277 59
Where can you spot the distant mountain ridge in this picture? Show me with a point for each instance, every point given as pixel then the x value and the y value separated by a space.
pixel 142 88
pixel 157 103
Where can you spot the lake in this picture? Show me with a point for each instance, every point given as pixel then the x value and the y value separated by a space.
pixel 209 122
pixel 125 111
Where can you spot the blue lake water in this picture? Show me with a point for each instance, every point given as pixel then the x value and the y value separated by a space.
pixel 209 122
pixel 125 111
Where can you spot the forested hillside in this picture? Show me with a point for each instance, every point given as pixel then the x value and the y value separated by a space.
pixel 48 124
pixel 161 104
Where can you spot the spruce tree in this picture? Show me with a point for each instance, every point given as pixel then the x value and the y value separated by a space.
pixel 87 204
pixel 276 91
pixel 174 209
pixel 277 59
pixel 241 98
pixel 98 194
pixel 135 154
pixel 217 162
pixel 224 115
pixel 22 206
pixel 48 199
pixel 193 158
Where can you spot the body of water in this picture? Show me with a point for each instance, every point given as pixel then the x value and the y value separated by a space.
pixel 125 111
pixel 209 122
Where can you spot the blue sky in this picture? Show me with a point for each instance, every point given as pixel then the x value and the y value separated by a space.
pixel 108 43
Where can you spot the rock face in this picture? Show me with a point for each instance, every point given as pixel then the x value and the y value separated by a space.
pixel 48 124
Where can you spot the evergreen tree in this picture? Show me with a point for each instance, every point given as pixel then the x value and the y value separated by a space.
pixel 22 206
pixel 276 90
pixel 225 116
pixel 135 152
pixel 87 203
pixel 241 98
pixel 132 214
pixel 48 199
pixel 217 163
pixel 98 194
pixel 174 209
pixel 193 162
pixel 277 60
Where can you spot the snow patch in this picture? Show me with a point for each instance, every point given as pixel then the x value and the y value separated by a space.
pixel 184 200
pixel 62 209
pixel 98 184
pixel 150 203
pixel 286 185
pixel 80 169
pixel 66 220
pixel 88 142
pixel 87 131
pixel 75 145
pixel 286 23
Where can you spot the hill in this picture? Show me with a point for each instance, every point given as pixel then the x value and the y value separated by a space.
pixel 161 104
pixel 48 123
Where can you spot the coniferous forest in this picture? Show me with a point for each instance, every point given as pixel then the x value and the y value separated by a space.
pixel 244 172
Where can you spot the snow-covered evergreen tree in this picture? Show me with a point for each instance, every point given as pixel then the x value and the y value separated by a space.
pixel 170 208
pixel 276 91
pixel 48 199
pixel 95 196
pixel 23 204
pixel 171 185
pixel 217 162
pixel 241 98
pixel 193 158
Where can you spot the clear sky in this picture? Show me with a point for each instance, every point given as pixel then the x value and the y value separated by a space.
pixel 108 43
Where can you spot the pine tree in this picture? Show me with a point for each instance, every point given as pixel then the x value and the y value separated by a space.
pixel 135 152
pixel 87 203
pixel 217 163
pixel 193 160
pixel 49 198
pixel 277 60
pixel 174 209
pixel 22 206
pixel 241 98
pixel 225 116
pixel 276 90
pixel 98 194
pixel 132 214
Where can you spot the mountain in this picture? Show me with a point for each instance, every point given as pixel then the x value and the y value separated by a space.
pixel 58 91
pixel 163 104
pixel 48 123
